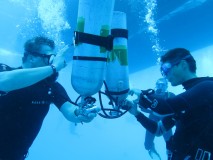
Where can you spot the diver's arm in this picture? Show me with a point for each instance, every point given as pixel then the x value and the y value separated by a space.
pixel 68 110
pixel 20 78
pixel 194 97
pixel 156 128
pixel 147 123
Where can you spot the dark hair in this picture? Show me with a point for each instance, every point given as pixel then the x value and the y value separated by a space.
pixel 176 54
pixel 35 44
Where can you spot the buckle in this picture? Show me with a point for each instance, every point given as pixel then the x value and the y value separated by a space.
pixel 202 154
pixel 206 155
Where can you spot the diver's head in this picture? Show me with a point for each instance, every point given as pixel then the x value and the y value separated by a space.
pixel 38 52
pixel 178 65
pixel 161 86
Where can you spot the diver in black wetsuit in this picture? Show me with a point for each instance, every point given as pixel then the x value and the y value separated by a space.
pixel 161 87
pixel 191 111
pixel 23 107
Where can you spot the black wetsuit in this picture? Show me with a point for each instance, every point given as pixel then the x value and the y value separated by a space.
pixel 149 137
pixel 22 113
pixel 193 118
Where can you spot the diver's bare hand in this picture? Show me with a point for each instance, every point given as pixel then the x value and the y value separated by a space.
pixel 134 108
pixel 87 118
pixel 136 92
pixel 59 60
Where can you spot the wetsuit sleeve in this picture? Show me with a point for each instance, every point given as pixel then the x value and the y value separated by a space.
pixel 199 95
pixel 155 127
pixel 60 95
pixel 147 123
pixel 4 67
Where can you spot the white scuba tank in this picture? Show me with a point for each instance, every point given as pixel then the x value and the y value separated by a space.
pixel 117 74
pixel 94 17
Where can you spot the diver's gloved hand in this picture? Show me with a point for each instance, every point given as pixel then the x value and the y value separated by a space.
pixel 147 100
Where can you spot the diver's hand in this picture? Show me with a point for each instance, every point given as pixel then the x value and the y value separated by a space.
pixel 87 114
pixel 87 118
pixel 147 101
pixel 134 109
pixel 131 106
pixel 59 60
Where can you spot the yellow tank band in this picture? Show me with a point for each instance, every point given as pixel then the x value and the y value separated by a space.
pixel 104 32
pixel 80 24
pixel 119 52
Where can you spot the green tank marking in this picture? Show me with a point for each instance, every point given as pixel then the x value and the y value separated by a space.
pixel 119 52
pixel 104 32
pixel 80 24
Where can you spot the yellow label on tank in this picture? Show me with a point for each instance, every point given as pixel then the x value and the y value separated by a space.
pixel 104 32
pixel 119 53
pixel 80 24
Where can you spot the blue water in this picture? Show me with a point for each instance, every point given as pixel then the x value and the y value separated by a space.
pixel 154 26
pixel 176 24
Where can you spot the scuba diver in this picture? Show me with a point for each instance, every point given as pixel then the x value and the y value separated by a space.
pixel 191 112
pixel 23 107
pixel 161 87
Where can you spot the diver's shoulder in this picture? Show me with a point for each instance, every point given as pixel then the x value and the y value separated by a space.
pixel 207 78
pixel 205 81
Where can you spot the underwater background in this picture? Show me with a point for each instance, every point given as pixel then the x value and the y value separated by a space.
pixel 154 27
